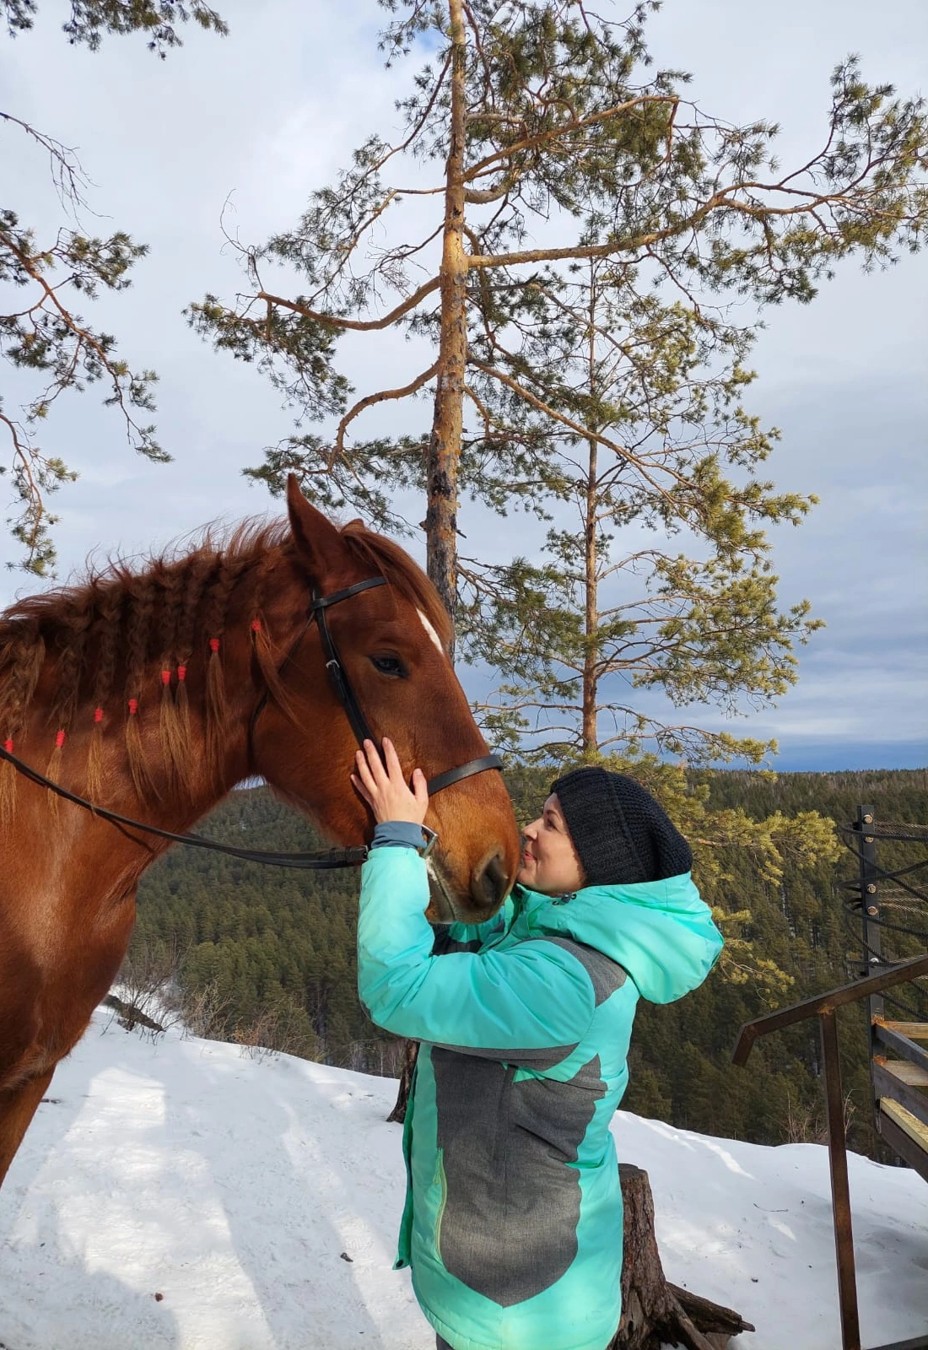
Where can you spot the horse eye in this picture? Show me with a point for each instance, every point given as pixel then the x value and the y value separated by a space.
pixel 390 665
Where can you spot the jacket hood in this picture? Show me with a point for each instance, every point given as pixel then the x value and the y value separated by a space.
pixel 660 932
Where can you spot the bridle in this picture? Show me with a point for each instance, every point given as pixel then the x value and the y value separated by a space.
pixel 323 858
pixel 346 695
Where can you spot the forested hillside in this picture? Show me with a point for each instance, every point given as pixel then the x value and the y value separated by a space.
pixel 266 956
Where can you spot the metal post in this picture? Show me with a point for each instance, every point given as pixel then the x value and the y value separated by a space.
pixel 865 825
pixel 840 1192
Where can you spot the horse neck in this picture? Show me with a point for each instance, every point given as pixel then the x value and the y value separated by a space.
pixel 201 731
pixel 164 754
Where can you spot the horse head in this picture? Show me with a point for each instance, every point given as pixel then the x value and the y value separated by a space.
pixel 391 642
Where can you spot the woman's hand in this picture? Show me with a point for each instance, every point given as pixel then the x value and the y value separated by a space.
pixel 383 787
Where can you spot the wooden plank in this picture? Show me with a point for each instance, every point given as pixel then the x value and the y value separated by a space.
pixel 901 1045
pixel 915 1031
pixel 902 1145
pixel 913 1074
pixel 914 1128
pixel 887 1086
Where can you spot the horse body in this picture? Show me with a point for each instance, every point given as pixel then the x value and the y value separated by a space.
pixel 154 695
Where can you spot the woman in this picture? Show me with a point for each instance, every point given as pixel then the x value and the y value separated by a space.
pixel 513 1218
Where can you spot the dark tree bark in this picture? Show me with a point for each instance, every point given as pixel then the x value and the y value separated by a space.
pixel 411 1051
pixel 655 1313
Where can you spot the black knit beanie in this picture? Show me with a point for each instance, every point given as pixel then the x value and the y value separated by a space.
pixel 621 834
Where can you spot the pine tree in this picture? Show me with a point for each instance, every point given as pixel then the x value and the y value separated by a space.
pixel 537 136
pixel 644 450
pixel 43 333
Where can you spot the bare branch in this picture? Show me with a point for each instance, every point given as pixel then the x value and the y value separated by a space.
pixel 353 325
pixel 67 172
pixel 383 396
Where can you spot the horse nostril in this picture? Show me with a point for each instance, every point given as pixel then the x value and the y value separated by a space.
pixel 490 883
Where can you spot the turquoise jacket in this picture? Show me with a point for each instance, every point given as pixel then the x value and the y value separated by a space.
pixel 513 1217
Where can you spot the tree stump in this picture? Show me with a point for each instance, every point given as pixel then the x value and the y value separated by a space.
pixel 655 1313
pixel 411 1050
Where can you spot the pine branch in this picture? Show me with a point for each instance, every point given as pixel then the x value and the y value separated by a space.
pixel 556 416
pixel 561 130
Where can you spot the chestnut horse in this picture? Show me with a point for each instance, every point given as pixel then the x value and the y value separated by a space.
pixel 154 693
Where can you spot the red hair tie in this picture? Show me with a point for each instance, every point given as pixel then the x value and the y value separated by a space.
pixel 165 677
pixel 8 745
pixel 98 714
pixel 256 625
pixel 133 706
pixel 181 674
pixel 214 644
pixel 59 738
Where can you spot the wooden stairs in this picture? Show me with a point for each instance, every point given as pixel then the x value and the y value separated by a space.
pixel 900 1086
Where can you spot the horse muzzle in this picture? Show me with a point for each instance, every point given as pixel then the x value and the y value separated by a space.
pixel 488 888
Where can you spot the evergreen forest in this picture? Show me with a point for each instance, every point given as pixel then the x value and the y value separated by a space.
pixel 266 956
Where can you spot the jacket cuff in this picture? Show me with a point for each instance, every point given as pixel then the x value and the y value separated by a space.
pixel 401 833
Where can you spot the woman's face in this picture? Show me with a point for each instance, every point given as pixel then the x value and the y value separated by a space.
pixel 549 862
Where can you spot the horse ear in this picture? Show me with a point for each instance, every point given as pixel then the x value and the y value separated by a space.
pixel 318 542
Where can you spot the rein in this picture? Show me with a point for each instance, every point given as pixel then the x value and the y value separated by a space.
pixel 322 858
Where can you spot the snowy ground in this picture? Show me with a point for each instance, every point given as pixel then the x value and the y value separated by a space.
pixel 183 1195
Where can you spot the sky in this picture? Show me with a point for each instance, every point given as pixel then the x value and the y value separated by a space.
pixel 186 1195
pixel 241 130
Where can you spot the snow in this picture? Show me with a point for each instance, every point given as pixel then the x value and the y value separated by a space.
pixel 180 1194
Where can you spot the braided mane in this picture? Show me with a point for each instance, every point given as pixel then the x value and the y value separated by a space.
pixel 96 642
pixel 100 636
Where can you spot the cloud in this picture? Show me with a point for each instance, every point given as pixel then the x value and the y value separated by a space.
pixel 275 110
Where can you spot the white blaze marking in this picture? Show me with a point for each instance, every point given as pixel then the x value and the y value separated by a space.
pixel 431 631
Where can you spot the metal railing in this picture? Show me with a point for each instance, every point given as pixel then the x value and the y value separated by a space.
pixel 889 910
pixel 824 1006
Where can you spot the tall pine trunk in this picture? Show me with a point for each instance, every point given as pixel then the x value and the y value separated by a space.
pixel 445 442
pixel 589 736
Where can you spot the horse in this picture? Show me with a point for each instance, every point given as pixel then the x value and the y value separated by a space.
pixel 151 692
